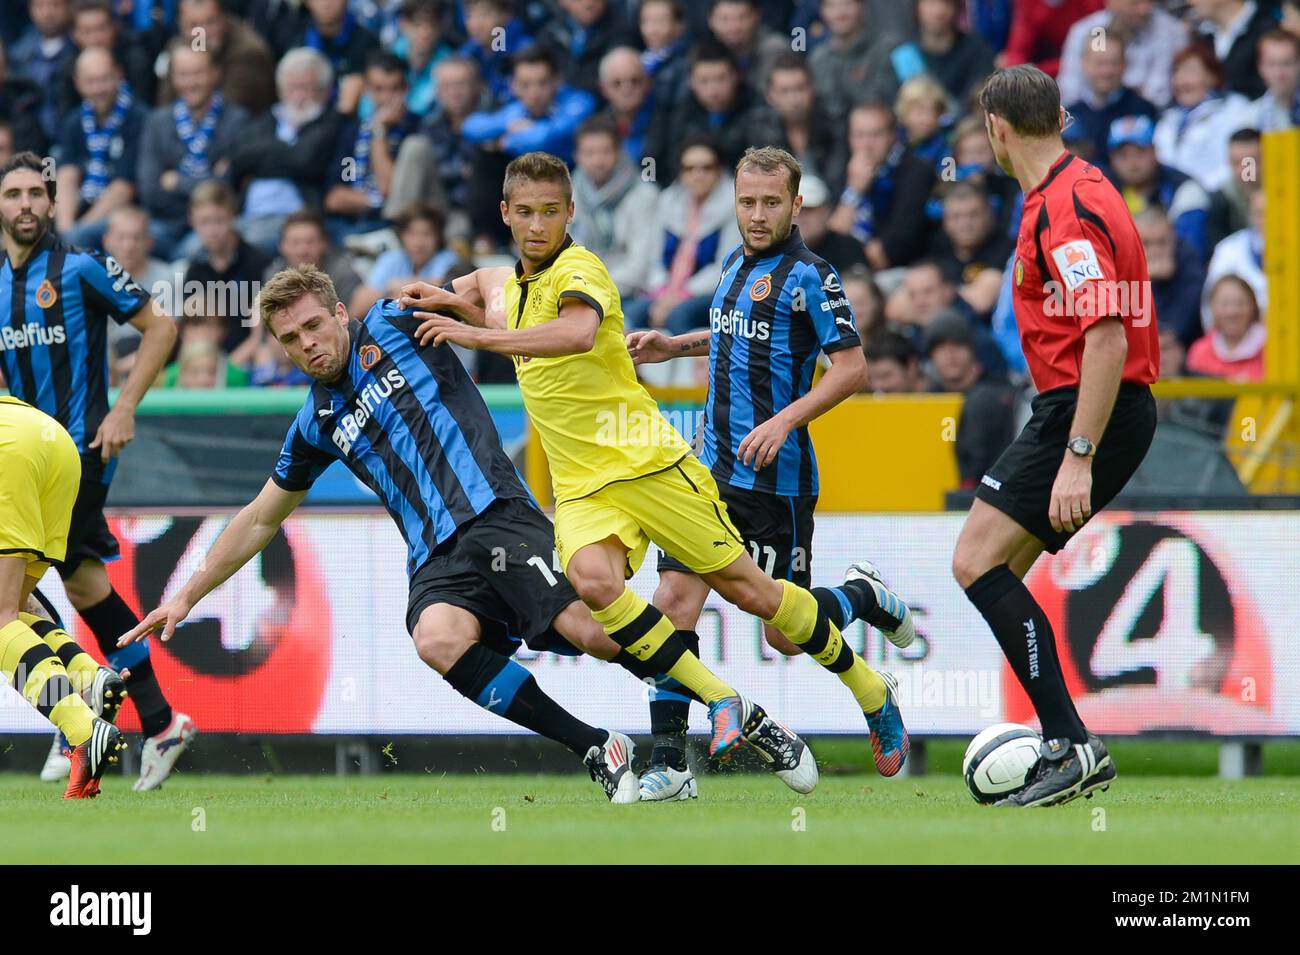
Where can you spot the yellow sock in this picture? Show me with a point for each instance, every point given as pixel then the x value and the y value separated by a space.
pixel 81 666
pixel 650 636
pixel 45 683
pixel 802 622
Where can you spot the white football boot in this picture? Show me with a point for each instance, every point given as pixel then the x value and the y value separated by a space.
pixel 161 752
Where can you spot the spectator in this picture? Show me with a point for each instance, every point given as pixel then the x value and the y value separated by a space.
pixel 922 111
pixel 1039 29
pixel 696 228
pixel 792 119
pixel 884 188
pixel 1233 346
pixel 864 298
pixel 42 55
pixel 1144 181
pixel 814 225
pixel 284 155
pixel 1231 30
pixel 893 365
pixel 855 64
pixel 1151 37
pixel 1279 67
pixel 199 341
pixel 436 164
pixel 94 27
pixel 225 266
pixel 1177 274
pixel 1192 135
pixel 244 59
pixel 334 31
pixel 665 41
pixel 925 293
pixel 988 421
pixel 1290 21
pixel 1173 355
pixel 1105 97
pixel 99 147
pixel 628 90
pixel 1240 254
pixel 973 155
pixel 969 248
pixel 1230 204
pixel 127 238
pixel 420 257
pixel 186 142
pixel 19 105
pixel 715 102
pixel 367 150
pixel 612 205
pixel 422 47
pixel 543 114
pixel 495 35
pixel 305 241
pixel 738 25
pixel 583 32
pixel 960 61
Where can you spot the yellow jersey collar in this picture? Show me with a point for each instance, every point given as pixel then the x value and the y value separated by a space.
pixel 519 263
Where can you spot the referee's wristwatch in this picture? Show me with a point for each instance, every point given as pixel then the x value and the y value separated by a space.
pixel 1082 446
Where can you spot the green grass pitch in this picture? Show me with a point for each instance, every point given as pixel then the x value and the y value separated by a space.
pixel 414 818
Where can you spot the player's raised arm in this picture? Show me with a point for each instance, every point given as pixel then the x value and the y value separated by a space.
pixel 458 298
pixel 649 347
pixel 246 535
pixel 571 332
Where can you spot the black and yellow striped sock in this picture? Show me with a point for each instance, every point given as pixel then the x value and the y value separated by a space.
pixel 34 670
pixel 804 623
pixel 80 665
pixel 649 636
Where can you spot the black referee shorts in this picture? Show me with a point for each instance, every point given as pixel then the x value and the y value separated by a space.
pixel 88 535
pixel 501 568
pixel 777 530
pixel 1020 482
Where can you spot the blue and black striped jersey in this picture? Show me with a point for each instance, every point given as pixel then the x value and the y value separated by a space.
pixel 771 316
pixel 54 311
pixel 410 423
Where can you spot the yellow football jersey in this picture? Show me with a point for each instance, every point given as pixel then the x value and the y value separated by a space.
pixel 596 421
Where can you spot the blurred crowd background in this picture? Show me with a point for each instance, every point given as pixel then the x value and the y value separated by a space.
pixel 207 143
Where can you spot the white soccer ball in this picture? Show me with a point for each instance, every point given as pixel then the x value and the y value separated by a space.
pixel 999 761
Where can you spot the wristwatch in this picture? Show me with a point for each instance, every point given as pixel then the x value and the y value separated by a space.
pixel 1082 446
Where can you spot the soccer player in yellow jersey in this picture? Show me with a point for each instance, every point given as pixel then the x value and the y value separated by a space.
pixel 40 473
pixel 622 475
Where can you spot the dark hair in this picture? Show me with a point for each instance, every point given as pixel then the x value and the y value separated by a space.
pixel 891 346
pixel 410 9
pixel 1204 55
pixel 417 211
pixel 1278 35
pixel 931 264
pixel 789 60
pixel 386 62
pixel 1245 135
pixel 598 126
pixel 710 51
pixel 537 53
pixel 965 189
pixel 1026 98
pixel 876 106
pixel 89 6
pixel 30 161
pixel 707 140
pixel 537 167
pixel 752 4
pixel 675 7
pixel 304 217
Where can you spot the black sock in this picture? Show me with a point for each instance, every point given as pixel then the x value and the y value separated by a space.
pixel 670 707
pixel 108 620
pixel 502 686
pixel 1025 635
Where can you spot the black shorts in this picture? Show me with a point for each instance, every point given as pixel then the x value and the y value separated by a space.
pixel 501 567
pixel 1020 482
pixel 88 535
pixel 777 530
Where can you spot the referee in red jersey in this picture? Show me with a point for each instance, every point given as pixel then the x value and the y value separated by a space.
pixel 1087 326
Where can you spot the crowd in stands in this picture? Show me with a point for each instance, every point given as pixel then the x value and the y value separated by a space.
pixel 214 141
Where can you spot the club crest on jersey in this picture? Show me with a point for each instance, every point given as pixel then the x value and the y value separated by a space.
pixel 1077 263
pixel 370 355
pixel 45 294
pixel 1020 271
pixel 761 288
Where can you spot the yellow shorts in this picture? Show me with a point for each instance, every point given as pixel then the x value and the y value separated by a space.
pixel 40 474
pixel 678 508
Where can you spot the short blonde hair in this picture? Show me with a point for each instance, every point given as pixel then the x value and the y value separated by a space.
pixel 772 159
pixel 921 90
pixel 537 167
pixel 289 285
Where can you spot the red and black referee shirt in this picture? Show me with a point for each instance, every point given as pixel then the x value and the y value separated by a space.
pixel 1079 260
